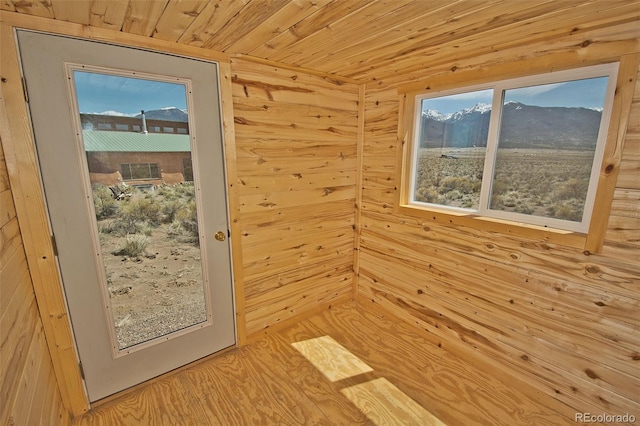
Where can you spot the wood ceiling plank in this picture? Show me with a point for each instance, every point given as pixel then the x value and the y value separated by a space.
pixel 34 7
pixel 340 37
pixel 108 14
pixel 484 32
pixel 338 33
pixel 72 11
pixel 248 18
pixel 399 25
pixel 333 12
pixel 540 57
pixel 7 5
pixel 547 29
pixel 281 21
pixel 88 32
pixel 177 18
pixel 212 19
pixel 143 16
pixel 447 29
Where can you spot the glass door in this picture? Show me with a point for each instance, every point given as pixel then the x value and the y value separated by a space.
pixel 130 148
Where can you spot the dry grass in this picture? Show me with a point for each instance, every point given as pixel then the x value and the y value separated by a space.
pixel 152 261
pixel 548 183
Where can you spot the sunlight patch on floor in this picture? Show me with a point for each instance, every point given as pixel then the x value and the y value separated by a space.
pixel 331 358
pixel 378 399
pixel 385 404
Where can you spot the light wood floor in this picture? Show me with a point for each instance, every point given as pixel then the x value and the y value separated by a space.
pixel 349 365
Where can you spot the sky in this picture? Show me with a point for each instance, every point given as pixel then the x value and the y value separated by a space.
pixel 588 93
pixel 99 93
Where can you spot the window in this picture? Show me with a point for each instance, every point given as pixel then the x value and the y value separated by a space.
pixel 187 169
pixel 525 150
pixel 139 171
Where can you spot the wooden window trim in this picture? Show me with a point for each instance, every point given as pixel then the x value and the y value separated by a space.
pixel 593 240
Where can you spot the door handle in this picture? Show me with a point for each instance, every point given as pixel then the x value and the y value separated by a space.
pixel 220 236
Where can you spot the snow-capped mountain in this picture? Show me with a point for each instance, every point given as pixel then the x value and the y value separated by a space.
pixel 523 126
pixel 435 115
pixel 476 109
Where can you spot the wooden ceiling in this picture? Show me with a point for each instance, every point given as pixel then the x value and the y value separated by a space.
pixel 365 40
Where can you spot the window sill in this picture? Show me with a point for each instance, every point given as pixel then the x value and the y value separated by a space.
pixel 516 229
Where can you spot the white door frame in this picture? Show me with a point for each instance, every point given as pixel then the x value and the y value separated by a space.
pixel 94 397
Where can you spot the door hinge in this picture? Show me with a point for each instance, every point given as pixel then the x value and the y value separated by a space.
pixel 54 245
pixel 24 90
pixel 81 370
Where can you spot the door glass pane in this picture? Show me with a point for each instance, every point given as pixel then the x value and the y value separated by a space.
pixel 144 204
pixel 452 142
pixel 546 148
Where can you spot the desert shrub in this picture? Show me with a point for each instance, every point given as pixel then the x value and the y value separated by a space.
pixel 499 187
pixel 573 188
pixel 453 195
pixel 523 208
pixel 145 229
pixel 168 192
pixel 566 211
pixel 188 218
pixel 186 190
pixel 427 195
pixel 105 205
pixel 134 245
pixel 510 199
pixel 142 210
pixel 496 202
pixel 175 229
pixel 124 226
pixel 461 184
pixel 467 202
pixel 170 209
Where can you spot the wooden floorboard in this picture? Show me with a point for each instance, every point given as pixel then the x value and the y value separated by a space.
pixel 346 366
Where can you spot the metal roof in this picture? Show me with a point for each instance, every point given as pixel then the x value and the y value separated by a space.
pixel 97 141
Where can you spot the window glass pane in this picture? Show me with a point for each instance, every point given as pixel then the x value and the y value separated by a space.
pixel 547 141
pixel 140 171
pixel 125 171
pixel 154 171
pixel 452 141
pixel 187 169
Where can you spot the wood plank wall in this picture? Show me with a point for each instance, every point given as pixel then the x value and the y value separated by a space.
pixel 29 393
pixel 563 320
pixel 296 148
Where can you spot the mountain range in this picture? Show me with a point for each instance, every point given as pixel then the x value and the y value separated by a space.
pixel 523 126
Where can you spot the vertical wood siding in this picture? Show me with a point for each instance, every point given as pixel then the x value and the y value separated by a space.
pixel 563 320
pixel 296 147
pixel 29 393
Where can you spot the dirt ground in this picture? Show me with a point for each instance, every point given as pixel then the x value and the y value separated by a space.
pixel 155 293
